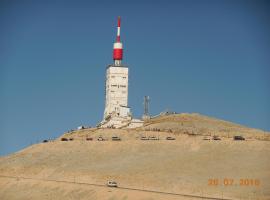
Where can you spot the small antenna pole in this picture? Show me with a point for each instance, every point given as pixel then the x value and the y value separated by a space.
pixel 146 108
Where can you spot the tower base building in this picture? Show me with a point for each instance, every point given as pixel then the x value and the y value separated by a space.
pixel 116 103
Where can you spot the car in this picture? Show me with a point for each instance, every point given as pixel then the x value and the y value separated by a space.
pixel 44 141
pixel 170 138
pixel 238 137
pixel 64 139
pixel 80 128
pixel 192 134
pixel 215 137
pixel 89 139
pixel 144 138
pixel 112 184
pixel 206 138
pixel 153 138
pixel 116 138
pixel 100 138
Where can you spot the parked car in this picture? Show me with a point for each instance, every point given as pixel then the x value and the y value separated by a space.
pixel 215 137
pixel 116 138
pixel 80 128
pixel 44 141
pixel 144 138
pixel 111 184
pixel 206 138
pixel 100 138
pixel 238 137
pixel 153 138
pixel 170 138
pixel 89 139
pixel 71 139
pixel 64 139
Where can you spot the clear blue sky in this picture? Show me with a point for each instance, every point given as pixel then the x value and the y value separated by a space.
pixel 209 57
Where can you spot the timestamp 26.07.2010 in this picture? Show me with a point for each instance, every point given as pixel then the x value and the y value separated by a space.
pixel 233 182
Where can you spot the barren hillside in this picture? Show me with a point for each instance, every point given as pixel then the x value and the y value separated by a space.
pixel 203 125
pixel 186 165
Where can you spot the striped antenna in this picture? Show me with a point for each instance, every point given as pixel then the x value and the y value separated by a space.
pixel 118 29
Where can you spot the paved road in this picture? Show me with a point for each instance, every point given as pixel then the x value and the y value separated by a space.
pixel 120 188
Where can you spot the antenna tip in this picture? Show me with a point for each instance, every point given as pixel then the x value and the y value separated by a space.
pixel 119 18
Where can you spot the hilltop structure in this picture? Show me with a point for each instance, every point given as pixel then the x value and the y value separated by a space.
pixel 117 113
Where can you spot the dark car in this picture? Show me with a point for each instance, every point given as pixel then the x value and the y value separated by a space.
pixel 238 137
pixel 215 137
pixel 170 138
pixel 64 139
pixel 89 139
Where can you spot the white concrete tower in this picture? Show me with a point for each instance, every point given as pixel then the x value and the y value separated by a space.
pixel 116 105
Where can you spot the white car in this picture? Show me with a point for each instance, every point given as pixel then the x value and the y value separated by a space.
pixel 100 138
pixel 111 184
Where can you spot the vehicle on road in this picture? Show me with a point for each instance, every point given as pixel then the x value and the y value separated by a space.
pixel 111 184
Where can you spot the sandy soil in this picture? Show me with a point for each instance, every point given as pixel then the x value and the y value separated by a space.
pixel 183 166
pixel 29 189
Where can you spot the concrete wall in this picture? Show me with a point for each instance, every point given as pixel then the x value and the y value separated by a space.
pixel 116 90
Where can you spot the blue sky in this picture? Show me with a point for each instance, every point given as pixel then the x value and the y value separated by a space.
pixel 208 57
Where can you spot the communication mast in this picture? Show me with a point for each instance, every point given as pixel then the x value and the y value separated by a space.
pixel 146 108
pixel 118 46
pixel 116 89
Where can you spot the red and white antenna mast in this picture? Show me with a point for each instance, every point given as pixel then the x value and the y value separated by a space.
pixel 118 47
